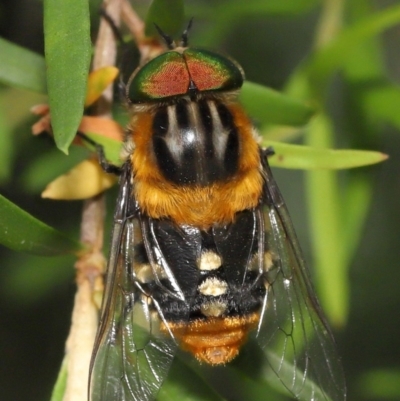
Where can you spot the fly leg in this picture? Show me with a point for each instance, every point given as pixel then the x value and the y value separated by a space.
pixel 268 152
pixel 116 31
pixel 104 163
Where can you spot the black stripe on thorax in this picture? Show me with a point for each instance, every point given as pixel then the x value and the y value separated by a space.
pixel 195 142
pixel 207 124
pixel 231 158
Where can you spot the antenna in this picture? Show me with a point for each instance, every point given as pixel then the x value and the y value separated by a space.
pixel 184 39
pixel 167 39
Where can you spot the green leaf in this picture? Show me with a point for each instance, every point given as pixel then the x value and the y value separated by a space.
pixel 22 68
pixel 280 133
pixel 335 54
pixel 68 52
pixel 61 382
pixel 324 208
pixel 268 106
pixel 169 15
pixel 309 158
pixel 22 232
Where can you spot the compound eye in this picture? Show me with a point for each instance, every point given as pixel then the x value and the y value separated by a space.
pixel 163 77
pixel 212 72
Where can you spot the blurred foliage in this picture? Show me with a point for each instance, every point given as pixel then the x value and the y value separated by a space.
pixel 328 59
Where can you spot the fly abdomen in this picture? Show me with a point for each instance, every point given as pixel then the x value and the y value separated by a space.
pixel 195 142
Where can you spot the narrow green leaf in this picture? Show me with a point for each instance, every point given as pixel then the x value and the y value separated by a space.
pixel 331 277
pixel 22 68
pixel 280 133
pixel 22 232
pixel 308 158
pixel 169 15
pixel 268 106
pixel 61 382
pixel 324 209
pixel 334 55
pixel 68 51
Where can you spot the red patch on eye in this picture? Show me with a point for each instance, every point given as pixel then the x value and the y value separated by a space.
pixel 205 75
pixel 171 78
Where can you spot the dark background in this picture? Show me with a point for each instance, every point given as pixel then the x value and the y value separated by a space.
pixel 37 293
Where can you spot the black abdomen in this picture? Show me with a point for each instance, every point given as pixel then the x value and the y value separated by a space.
pixel 217 273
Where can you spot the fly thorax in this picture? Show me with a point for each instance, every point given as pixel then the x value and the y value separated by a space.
pixel 195 142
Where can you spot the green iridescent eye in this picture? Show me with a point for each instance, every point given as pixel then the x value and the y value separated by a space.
pixel 171 74
pixel 163 77
pixel 210 71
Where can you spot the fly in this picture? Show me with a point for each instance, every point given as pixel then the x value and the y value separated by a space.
pixel 203 252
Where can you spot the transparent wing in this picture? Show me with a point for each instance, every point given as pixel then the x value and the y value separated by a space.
pixel 293 331
pixel 131 357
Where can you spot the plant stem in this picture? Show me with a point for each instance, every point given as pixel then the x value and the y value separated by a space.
pixel 325 211
pixel 90 266
pixel 330 22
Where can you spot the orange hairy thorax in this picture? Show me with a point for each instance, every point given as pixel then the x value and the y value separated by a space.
pixel 201 206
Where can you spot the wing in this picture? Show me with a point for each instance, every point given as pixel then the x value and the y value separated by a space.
pixel 131 357
pixel 293 331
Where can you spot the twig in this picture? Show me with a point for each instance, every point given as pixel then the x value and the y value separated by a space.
pixel 90 266
pixel 132 21
pixel 148 47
